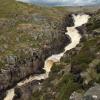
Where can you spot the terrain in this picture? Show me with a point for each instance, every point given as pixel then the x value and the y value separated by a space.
pixel 77 75
pixel 29 34
pixel 21 25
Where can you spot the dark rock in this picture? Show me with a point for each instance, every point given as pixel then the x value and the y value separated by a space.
pixel 13 74
pixel 25 92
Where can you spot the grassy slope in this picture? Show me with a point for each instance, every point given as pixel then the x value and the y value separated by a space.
pixel 18 24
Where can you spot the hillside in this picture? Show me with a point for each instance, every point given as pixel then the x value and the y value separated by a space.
pixel 29 34
pixel 25 27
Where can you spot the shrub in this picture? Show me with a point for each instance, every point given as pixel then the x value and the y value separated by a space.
pixel 66 87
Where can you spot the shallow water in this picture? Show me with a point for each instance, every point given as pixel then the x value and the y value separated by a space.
pixel 75 37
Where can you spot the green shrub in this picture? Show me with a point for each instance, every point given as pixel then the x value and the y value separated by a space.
pixel 56 68
pixel 66 87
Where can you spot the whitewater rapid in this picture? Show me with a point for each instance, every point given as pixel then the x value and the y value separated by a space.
pixel 75 37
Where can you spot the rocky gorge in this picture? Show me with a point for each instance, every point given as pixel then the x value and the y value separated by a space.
pixel 76 76
pixel 34 64
pixel 36 34
pixel 71 78
pixel 55 58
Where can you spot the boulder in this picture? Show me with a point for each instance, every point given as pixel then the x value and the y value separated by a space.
pixel 75 96
pixel 93 93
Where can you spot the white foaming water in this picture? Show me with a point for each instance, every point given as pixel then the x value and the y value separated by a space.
pixel 10 95
pixel 75 39
pixel 80 19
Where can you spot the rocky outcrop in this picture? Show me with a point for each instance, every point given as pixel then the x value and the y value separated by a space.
pixel 93 93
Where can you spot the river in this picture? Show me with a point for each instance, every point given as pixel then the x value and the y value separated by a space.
pixel 75 37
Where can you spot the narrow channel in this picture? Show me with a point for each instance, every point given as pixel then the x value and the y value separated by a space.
pixel 75 37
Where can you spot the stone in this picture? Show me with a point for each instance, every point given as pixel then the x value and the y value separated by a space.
pixel 75 96
pixel 93 93
pixel 11 59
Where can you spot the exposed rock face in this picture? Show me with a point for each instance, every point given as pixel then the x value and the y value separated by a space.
pixel 13 74
pixel 33 64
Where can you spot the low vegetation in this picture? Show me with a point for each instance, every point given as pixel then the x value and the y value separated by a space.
pixel 24 27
